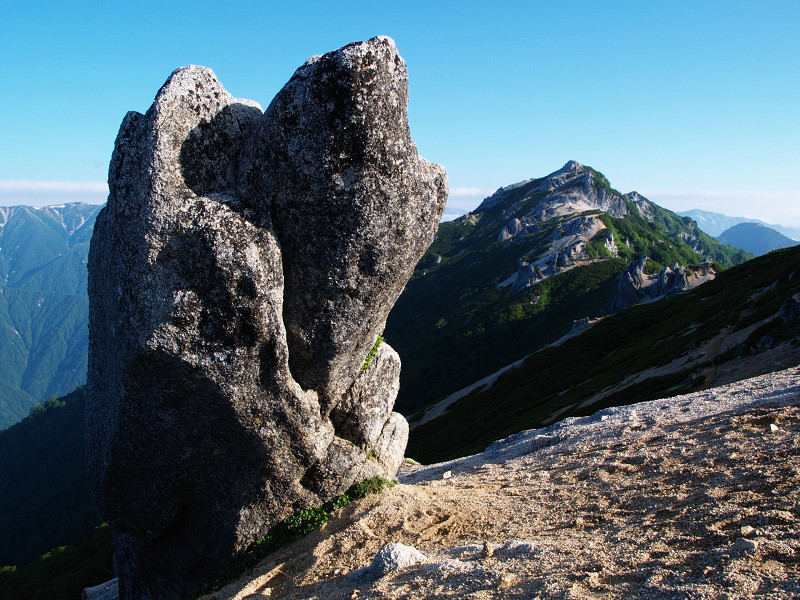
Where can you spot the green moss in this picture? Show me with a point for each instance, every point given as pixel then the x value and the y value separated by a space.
pixel 371 354
pixel 305 521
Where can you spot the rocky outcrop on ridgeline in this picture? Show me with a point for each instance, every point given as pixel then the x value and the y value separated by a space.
pixel 635 285
pixel 642 204
pixel 239 277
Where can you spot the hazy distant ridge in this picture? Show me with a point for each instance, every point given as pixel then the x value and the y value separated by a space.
pixel 756 238
pixel 716 223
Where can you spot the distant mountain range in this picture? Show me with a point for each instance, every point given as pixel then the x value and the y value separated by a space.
pixel 715 223
pixel 756 238
pixel 452 213
pixel 513 275
pixel 43 303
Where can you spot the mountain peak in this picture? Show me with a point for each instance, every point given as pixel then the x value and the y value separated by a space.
pixel 571 166
pixel 550 182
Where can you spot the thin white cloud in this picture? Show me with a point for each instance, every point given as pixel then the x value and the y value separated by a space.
pixel 755 194
pixel 28 185
pixel 471 192
pixel 772 206
pixel 43 193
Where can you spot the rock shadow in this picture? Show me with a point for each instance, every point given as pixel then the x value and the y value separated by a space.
pixel 209 156
pixel 190 472
pixel 179 476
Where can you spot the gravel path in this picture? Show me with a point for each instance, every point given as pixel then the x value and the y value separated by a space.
pixel 690 497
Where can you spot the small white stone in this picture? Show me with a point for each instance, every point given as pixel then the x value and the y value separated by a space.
pixel 773 427
pixel 393 557
pixel 447 475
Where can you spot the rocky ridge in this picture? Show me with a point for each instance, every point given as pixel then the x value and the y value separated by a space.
pixel 636 285
pixel 507 279
pixel 239 277
pixel 569 211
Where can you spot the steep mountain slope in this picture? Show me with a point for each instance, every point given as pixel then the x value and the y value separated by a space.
pixel 46 500
pixel 715 223
pixel 755 238
pixel 512 276
pixel 743 323
pixel 40 248
pixel 43 303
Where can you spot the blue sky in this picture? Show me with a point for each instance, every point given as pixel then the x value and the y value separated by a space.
pixel 693 104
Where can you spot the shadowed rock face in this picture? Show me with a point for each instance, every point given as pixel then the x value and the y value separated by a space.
pixel 238 277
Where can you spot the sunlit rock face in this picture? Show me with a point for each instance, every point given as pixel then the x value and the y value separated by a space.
pixel 238 277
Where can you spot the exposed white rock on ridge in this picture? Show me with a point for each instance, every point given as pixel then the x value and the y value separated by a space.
pixel 635 285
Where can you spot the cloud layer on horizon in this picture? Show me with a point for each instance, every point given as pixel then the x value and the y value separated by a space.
pixel 45 193
pixel 771 206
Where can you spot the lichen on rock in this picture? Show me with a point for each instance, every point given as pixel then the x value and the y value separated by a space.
pixel 238 276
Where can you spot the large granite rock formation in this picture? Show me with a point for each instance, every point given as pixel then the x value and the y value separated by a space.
pixel 238 278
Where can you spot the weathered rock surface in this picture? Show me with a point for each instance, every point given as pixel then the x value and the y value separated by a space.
pixel 388 559
pixel 239 274
pixel 335 157
pixel 790 310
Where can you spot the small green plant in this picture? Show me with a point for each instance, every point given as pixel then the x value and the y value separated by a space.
pixel 374 485
pixel 371 354
pixel 305 521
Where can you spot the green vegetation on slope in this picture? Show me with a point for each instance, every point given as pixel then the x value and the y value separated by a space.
pixel 558 380
pixel 44 345
pixel 43 304
pixel 46 501
pixel 62 573
pixel 447 344
pixel 454 324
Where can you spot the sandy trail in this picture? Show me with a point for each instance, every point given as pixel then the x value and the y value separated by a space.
pixel 690 497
